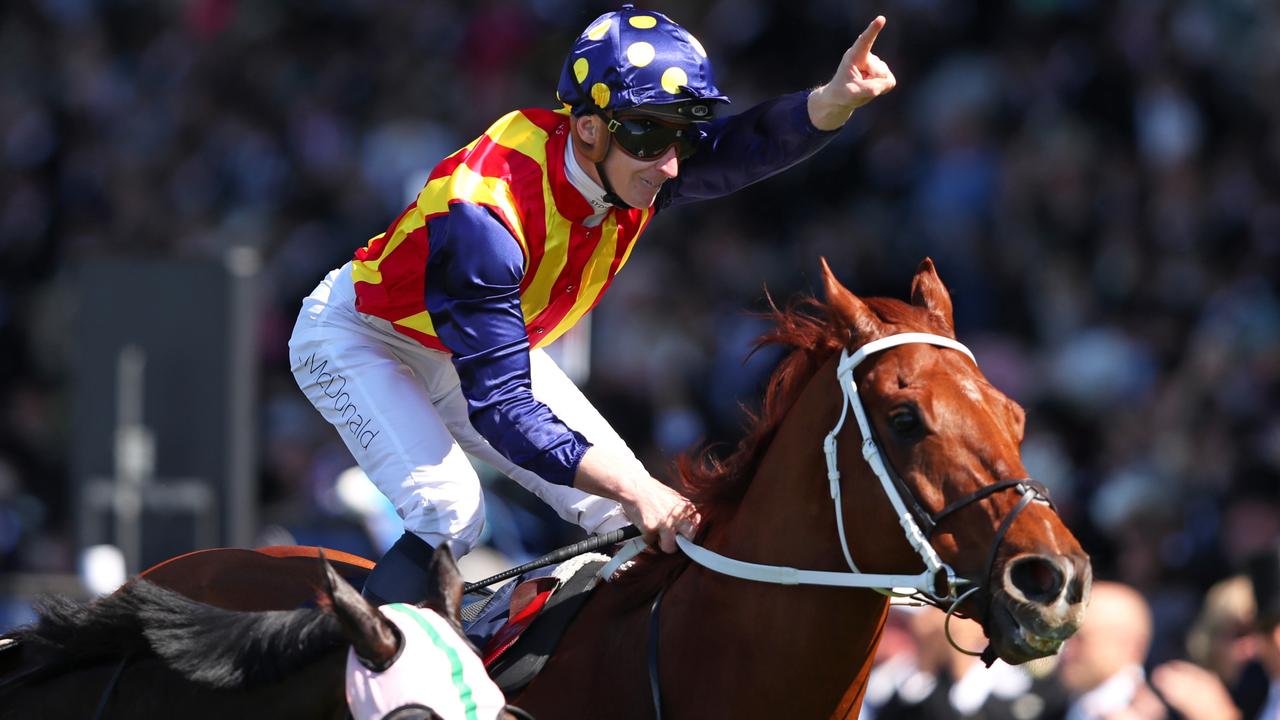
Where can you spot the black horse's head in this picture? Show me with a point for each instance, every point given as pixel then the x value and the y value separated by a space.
pixel 413 662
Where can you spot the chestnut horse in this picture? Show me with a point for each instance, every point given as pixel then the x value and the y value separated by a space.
pixel 672 638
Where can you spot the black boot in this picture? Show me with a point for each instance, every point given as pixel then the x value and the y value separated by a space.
pixel 402 574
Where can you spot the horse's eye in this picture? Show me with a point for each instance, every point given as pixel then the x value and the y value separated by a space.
pixel 905 421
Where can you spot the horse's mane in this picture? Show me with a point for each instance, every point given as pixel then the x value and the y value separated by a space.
pixel 214 647
pixel 715 485
pixel 811 328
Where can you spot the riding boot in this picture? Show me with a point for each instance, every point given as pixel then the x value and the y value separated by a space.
pixel 401 575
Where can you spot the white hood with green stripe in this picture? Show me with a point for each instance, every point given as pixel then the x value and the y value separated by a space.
pixel 436 669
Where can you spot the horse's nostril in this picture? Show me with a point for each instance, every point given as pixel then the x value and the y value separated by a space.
pixel 1081 579
pixel 1038 578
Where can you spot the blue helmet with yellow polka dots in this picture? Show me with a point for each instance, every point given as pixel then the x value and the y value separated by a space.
pixel 639 58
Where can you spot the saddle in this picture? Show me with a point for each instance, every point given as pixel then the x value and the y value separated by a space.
pixel 269 578
pixel 519 626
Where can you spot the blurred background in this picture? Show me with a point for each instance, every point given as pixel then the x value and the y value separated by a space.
pixel 1098 182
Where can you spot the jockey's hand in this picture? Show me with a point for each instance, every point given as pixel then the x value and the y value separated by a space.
pixel 660 512
pixel 860 78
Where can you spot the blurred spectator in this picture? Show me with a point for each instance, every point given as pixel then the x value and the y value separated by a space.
pixel 1221 645
pixel 894 662
pixel 1101 665
pixel 944 683
pixel 1221 640
pixel 1264 572
pixel 1193 692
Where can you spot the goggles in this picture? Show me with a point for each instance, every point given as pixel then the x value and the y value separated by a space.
pixel 645 138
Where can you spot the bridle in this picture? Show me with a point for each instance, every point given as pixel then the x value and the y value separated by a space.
pixel 938 584
pixel 917 523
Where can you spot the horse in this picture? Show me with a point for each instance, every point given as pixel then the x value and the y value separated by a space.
pixel 924 490
pixel 148 651
pixel 929 480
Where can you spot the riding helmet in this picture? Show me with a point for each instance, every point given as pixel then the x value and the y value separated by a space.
pixel 639 58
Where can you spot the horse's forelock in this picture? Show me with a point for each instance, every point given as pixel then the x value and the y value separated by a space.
pixel 904 317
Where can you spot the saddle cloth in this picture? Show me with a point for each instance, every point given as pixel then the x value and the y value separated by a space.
pixel 518 627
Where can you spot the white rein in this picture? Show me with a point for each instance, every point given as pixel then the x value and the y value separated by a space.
pixel 925 582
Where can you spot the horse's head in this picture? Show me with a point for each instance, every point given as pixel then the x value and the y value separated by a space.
pixel 949 443
pixel 413 663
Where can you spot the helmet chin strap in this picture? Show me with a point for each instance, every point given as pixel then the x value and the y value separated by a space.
pixel 610 196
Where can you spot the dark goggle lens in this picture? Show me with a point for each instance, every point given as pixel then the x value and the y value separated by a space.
pixel 646 139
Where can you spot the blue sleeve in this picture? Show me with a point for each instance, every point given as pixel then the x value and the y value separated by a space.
pixel 741 149
pixel 473 296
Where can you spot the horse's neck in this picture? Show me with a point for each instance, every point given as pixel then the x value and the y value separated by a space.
pixel 787 518
pixel 728 647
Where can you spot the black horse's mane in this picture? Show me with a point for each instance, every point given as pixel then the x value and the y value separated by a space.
pixel 214 647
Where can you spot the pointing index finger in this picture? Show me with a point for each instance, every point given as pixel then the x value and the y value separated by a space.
pixel 862 46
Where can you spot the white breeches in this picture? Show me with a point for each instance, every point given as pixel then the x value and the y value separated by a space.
pixel 400 410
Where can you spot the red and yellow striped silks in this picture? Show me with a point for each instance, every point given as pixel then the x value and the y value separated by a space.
pixel 516 169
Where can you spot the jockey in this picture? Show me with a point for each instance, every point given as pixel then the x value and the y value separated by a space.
pixel 429 343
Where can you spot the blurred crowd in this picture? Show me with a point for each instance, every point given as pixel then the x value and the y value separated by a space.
pixel 926 666
pixel 1098 182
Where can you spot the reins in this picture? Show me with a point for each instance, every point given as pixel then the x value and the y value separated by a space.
pixel 655 686
pixel 111 686
pixel 938 584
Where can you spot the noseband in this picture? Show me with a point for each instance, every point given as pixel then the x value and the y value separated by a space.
pixel 938 584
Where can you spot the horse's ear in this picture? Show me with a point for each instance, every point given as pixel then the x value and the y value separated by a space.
pixel 371 635
pixel 444 585
pixel 849 308
pixel 928 292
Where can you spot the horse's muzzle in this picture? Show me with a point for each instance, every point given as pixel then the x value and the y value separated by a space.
pixel 1038 603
